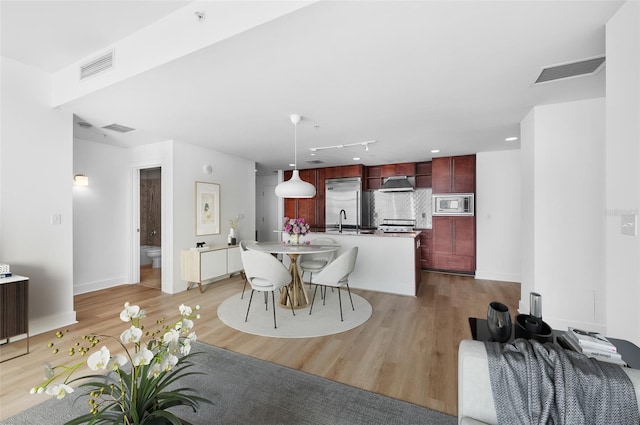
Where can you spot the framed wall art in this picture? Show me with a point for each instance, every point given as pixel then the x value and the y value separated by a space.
pixel 207 208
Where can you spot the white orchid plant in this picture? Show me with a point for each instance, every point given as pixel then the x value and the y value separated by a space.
pixel 136 388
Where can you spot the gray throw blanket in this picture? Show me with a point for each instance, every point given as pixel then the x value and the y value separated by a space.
pixel 534 383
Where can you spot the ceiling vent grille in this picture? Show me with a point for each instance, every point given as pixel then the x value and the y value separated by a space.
pixel 97 66
pixel 314 161
pixel 569 70
pixel 119 128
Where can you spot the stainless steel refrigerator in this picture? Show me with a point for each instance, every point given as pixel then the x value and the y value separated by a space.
pixel 345 194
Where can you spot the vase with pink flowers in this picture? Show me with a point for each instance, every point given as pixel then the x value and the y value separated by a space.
pixel 295 227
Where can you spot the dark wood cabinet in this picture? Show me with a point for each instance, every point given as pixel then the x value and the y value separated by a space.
pixel 311 209
pixel 454 244
pixel 418 266
pixel 356 170
pixel 376 174
pixel 426 249
pixel 423 174
pixel 402 169
pixel 373 178
pixel 454 174
pixel 14 309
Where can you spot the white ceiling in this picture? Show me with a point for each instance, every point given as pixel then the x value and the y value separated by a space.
pixel 414 76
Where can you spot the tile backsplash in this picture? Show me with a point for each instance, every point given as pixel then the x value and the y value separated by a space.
pixel 414 205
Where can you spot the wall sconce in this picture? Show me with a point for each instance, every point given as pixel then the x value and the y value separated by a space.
pixel 80 180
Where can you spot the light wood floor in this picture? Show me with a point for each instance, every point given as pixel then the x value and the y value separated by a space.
pixel 407 350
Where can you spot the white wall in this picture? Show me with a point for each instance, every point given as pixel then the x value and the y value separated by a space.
pixel 100 212
pixel 498 215
pixel 36 182
pixel 236 177
pixel 114 191
pixel 622 173
pixel 566 191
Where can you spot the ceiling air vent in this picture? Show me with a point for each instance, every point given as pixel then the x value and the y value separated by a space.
pixel 84 124
pixel 314 161
pixel 97 66
pixel 569 70
pixel 119 128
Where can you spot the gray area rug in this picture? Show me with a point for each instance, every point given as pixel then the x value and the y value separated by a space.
pixel 245 390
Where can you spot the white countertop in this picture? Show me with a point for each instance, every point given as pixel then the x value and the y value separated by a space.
pixel 11 279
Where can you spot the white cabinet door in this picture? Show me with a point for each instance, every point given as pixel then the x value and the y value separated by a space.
pixel 234 262
pixel 213 264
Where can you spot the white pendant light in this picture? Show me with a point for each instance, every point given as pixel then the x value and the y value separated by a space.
pixel 295 187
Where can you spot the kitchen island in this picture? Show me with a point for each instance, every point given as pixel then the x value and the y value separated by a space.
pixel 387 262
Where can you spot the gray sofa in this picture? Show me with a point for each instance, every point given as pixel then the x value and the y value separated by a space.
pixel 475 399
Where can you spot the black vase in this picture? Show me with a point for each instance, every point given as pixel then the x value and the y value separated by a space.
pixel 499 322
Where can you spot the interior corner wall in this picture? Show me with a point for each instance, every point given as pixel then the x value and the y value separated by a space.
pixel 36 186
pixel 563 226
pixel 622 173
pixel 236 177
pixel 100 213
pixel 498 215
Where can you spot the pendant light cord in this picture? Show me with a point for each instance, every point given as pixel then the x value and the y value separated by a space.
pixel 295 146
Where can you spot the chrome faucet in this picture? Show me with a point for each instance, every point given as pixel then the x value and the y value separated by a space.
pixel 342 214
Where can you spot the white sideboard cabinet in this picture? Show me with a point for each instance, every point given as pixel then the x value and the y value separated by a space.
pixel 198 265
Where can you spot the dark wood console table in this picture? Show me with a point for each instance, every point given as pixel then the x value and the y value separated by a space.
pixel 14 315
pixel 629 351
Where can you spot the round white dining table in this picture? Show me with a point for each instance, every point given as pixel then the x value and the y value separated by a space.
pixel 299 296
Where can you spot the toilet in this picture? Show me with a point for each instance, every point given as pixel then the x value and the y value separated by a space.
pixel 154 255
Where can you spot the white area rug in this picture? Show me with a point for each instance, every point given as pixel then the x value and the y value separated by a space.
pixel 325 319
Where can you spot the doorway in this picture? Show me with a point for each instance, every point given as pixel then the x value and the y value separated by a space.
pixel 150 227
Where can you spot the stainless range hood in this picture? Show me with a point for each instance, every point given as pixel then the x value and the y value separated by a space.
pixel 397 184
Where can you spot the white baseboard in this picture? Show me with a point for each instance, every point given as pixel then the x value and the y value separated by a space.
pixel 48 323
pixel 502 277
pixel 83 288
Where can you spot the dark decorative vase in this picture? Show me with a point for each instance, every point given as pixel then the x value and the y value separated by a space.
pixel 531 326
pixel 499 322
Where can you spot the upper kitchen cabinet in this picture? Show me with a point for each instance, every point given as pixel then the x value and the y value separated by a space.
pixel 355 170
pixel 454 174
pixel 403 169
pixel 373 178
pixel 375 175
pixel 423 174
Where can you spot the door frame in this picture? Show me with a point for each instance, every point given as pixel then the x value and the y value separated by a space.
pixel 134 271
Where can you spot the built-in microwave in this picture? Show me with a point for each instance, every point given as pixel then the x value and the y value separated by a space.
pixel 453 204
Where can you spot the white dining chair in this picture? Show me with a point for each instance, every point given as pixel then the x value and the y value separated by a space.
pixel 265 274
pixel 336 274
pixel 313 263
pixel 244 246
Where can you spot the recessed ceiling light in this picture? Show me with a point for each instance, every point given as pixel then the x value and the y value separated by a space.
pixel 511 139
pixel 292 165
pixel 356 159
pixel 435 150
